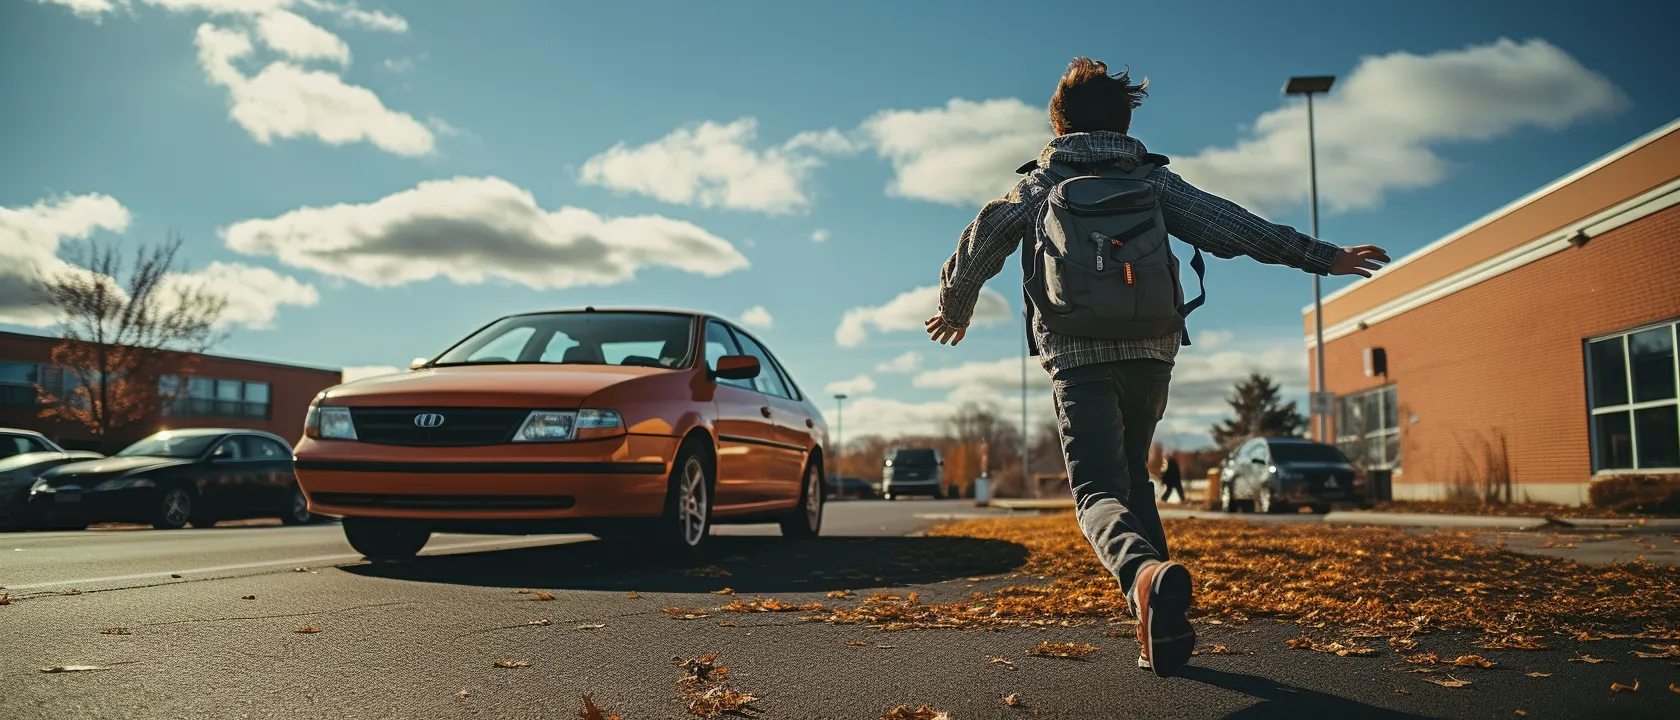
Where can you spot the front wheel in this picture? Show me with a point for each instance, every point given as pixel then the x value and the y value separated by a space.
pixel 297 509
pixel 174 508
pixel 1226 502
pixel 687 521
pixel 806 519
pixel 385 539
pixel 1265 503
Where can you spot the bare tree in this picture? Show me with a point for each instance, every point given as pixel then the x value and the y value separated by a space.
pixel 120 338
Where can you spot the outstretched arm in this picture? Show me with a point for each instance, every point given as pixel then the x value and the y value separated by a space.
pixel 1226 230
pixel 986 243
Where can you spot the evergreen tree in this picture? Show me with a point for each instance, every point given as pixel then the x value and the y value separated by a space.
pixel 1258 413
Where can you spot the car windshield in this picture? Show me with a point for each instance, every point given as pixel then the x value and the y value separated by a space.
pixel 1306 452
pixel 658 340
pixel 170 445
pixel 914 458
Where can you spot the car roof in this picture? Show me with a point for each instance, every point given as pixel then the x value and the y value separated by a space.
pixel 195 432
pixel 604 309
pixel 20 431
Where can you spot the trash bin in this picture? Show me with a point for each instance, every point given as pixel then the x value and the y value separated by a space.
pixel 1380 485
pixel 982 490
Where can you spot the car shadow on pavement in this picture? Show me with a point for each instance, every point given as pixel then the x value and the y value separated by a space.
pixel 747 564
pixel 1279 700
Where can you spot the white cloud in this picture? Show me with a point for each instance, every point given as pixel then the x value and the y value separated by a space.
pixel 358 372
pixel 29 244
pixel 1211 339
pixel 859 385
pixel 354 16
pixel 906 363
pixel 910 311
pixel 287 101
pixel 715 165
pixel 964 153
pixel 471 230
pixel 295 37
pixel 890 418
pixel 222 7
pixel 1003 375
pixel 254 294
pixel 757 317
pixel 398 65
pixel 89 9
pixel 1376 129
pixel 819 235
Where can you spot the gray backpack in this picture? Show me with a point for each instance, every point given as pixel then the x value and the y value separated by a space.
pixel 1100 265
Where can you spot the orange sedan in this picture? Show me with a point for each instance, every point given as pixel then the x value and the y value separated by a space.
pixel 646 424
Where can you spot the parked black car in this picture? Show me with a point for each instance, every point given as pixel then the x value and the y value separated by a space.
pixel 1279 474
pixel 174 478
pixel 24 455
pixel 912 471
pixel 851 487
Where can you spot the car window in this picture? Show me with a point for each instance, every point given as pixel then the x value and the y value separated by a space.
pixel 14 445
pixel 1307 452
pixel 265 449
pixel 506 347
pixel 650 339
pixel 787 380
pixel 721 342
pixel 768 381
pixel 230 449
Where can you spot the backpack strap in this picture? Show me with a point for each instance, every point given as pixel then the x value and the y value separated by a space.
pixel 1198 264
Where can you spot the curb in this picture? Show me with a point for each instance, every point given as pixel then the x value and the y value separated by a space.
pixel 1436 520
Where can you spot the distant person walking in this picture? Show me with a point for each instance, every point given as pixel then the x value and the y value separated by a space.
pixel 1105 315
pixel 1171 479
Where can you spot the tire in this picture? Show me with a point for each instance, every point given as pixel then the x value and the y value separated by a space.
pixel 386 539
pixel 686 524
pixel 806 519
pixel 297 509
pixel 1265 503
pixel 1227 503
pixel 1320 508
pixel 174 507
pixel 203 523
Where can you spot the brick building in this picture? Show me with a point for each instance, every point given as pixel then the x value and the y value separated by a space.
pixel 222 392
pixel 1535 344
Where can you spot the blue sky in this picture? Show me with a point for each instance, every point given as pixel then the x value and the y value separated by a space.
pixel 288 142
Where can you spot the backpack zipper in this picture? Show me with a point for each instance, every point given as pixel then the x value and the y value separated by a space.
pixel 1097 239
pixel 1129 279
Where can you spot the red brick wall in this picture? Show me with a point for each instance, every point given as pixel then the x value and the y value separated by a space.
pixel 1506 355
pixel 290 390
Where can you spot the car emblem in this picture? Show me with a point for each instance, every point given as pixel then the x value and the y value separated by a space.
pixel 428 420
pixel 1330 482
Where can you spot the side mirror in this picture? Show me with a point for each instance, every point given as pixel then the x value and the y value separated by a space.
pixel 416 363
pixel 737 367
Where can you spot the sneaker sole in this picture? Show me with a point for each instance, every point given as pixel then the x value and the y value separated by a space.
pixel 1171 637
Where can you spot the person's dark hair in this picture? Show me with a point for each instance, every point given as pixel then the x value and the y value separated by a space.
pixel 1089 99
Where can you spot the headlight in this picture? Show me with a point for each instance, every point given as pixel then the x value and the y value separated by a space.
pixel 41 486
pixel 124 483
pixel 561 425
pixel 335 423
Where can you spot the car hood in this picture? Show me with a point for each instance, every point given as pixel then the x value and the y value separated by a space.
pixel 106 468
pixel 25 460
pixel 559 386
pixel 1315 467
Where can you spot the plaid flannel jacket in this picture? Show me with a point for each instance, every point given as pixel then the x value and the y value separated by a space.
pixel 1216 225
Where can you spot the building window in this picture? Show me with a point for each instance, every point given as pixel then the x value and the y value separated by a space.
pixel 214 398
pixel 17 383
pixel 1368 428
pixel 1633 387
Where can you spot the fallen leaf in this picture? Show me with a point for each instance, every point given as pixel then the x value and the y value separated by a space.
pixel 1402 643
pixel 1337 648
pixel 1538 674
pixel 1218 650
pixel 1589 660
pixel 307 630
pixel 464 693
pixel 913 597
pixel 71 591
pixel 924 712
pixel 726 623
pixel 1005 662
pixel 300 569
pixel 1449 682
pixel 509 664
pixel 1062 650
pixel 590 626
pixel 73 668
pixel 247 597
pixel 1673 688
pixel 1618 687
pixel 524 591
pixel 1012 699
pixel 5 599
pixel 1402 691
pixel 725 591
pixel 855 643
pixel 633 595
pixel 1663 651
pixel 1475 661
pixel 884 646
pixel 115 631
pixel 683 614
pixel 839 594
pixel 591 711
pixel 542 597
pixel 1519 712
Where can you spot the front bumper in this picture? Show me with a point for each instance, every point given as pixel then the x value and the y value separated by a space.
pixel 911 487
pixel 129 504
pixel 623 477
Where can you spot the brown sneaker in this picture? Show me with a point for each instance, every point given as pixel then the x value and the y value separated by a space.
pixel 1162 595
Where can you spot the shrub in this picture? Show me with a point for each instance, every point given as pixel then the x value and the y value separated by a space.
pixel 1648 494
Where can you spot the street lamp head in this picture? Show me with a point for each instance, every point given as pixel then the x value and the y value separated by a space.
pixel 1308 84
pixel 839 396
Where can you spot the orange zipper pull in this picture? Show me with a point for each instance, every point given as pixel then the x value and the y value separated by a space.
pixel 1129 278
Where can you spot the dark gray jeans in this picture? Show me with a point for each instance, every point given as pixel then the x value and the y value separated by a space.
pixel 1107 414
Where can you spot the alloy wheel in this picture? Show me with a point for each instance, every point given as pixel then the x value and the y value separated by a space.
pixel 692 504
pixel 1263 500
pixel 1226 501
pixel 177 505
pixel 300 506
pixel 813 496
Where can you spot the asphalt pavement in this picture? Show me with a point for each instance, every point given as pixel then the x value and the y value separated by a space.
pixel 421 639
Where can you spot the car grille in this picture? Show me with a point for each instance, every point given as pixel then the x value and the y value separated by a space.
pixel 444 502
pixel 1319 482
pixel 461 426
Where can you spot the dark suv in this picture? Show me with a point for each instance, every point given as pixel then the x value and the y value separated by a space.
pixel 1278 474
pixel 912 471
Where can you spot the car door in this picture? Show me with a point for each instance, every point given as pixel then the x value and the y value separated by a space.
pixel 271 475
pixel 790 420
pixel 746 434
pixel 226 482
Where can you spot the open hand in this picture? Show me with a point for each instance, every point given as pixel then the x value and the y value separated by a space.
pixel 939 332
pixel 1359 260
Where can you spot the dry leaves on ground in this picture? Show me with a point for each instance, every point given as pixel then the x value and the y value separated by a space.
pixel 5 599
pixel 71 591
pixel 1449 682
pixel 1012 699
pixel 1588 659
pixel 1005 662
pixel 683 613
pixel 903 712
pixel 727 623
pixel 115 631
pixel 247 597
pixel 464 694
pixel 839 594
pixel 1673 688
pixel 1618 687
pixel 73 668
pixel 1335 647
pixel 705 686
pixel 856 643
pixel 1514 641
pixel 1063 650
pixel 725 591
pixel 1220 650
pixel 589 626
pixel 633 595
pixel 307 630
pixel 1538 674
pixel 758 605
pixel 1662 651
pixel 510 664
pixel 542 597
pixel 1386 578
pixel 591 711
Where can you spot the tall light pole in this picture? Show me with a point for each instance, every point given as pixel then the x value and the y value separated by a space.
pixel 1026 444
pixel 839 433
pixel 1308 86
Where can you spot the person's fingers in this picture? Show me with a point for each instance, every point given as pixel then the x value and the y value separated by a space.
pixel 958 337
pixel 1360 272
pixel 934 321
